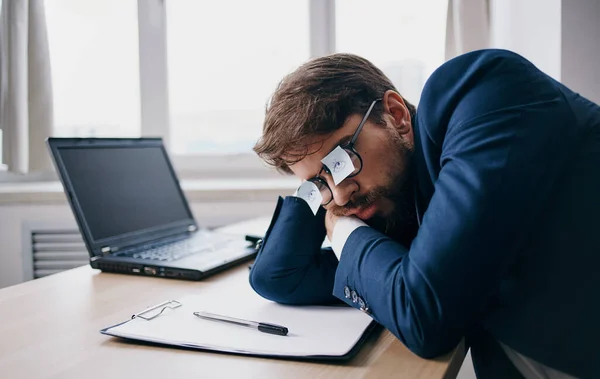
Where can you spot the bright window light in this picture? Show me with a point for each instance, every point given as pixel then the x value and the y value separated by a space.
pixel 95 67
pixel 405 38
pixel 225 59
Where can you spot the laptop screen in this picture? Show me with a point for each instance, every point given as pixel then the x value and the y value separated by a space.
pixel 123 190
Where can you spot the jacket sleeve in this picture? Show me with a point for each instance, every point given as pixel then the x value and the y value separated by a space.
pixel 496 174
pixel 291 267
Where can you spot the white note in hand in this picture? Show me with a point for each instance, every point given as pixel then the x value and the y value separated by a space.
pixel 310 193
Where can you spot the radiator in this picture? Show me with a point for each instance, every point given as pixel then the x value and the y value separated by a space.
pixel 50 249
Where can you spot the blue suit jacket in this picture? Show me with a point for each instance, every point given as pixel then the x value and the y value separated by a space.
pixel 508 171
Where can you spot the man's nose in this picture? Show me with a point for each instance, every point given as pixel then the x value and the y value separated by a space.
pixel 342 193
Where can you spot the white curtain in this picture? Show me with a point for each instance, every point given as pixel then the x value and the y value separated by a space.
pixel 467 26
pixel 26 117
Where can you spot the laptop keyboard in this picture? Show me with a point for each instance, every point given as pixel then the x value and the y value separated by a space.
pixel 208 244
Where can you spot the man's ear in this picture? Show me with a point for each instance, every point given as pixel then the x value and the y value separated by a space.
pixel 394 105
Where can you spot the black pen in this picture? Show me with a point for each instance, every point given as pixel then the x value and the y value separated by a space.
pixel 261 326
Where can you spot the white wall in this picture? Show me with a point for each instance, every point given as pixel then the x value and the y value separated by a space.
pixel 581 47
pixel 531 28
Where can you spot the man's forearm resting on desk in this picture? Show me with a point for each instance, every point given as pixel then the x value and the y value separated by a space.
pixel 292 268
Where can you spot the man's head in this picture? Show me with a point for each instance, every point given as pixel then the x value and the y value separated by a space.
pixel 318 107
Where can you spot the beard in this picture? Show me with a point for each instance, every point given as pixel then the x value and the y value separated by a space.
pixel 400 222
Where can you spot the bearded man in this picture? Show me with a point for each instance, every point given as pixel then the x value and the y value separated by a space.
pixel 475 216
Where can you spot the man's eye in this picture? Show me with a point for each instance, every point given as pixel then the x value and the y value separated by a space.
pixel 338 166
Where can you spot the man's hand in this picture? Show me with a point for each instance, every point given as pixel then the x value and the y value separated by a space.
pixel 330 220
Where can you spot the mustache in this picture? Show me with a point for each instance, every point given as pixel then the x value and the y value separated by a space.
pixel 359 202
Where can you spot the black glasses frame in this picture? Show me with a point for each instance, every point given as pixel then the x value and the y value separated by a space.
pixel 317 180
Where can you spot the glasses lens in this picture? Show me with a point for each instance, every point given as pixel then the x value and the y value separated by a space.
pixel 356 161
pixel 324 189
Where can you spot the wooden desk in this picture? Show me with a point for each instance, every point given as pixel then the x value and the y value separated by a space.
pixel 49 328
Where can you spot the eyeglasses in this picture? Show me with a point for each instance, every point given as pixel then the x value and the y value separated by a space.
pixel 334 164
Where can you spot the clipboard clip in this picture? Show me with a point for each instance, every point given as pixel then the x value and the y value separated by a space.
pixel 157 309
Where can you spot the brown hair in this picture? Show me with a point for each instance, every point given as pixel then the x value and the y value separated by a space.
pixel 315 100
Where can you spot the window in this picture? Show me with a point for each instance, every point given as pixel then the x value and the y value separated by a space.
pixel 223 65
pixel 95 67
pixel 414 34
pixel 200 73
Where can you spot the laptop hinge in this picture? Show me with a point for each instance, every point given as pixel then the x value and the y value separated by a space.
pixel 105 250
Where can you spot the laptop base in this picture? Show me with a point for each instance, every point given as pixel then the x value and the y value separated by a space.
pixel 115 267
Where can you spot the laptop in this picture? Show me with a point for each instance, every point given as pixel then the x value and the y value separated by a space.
pixel 133 215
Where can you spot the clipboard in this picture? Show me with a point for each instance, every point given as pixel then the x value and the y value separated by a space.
pixel 315 332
